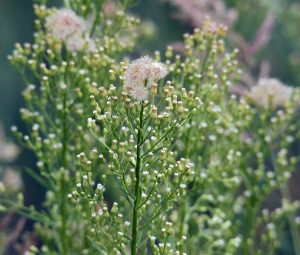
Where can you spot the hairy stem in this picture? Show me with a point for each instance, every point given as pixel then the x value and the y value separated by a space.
pixel 137 194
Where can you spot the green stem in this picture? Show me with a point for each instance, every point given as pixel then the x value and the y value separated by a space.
pixel 165 244
pixel 99 6
pixel 249 226
pixel 183 203
pixel 182 213
pixel 63 184
pixel 137 194
pixel 63 217
pixel 182 216
pixel 290 218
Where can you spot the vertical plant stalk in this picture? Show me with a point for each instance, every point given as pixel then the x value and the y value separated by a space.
pixel 137 194
pixel 182 219
pixel 63 217
pixel 285 193
pixel 97 20
pixel 249 225
pixel 290 219
pixel 63 185
pixel 183 203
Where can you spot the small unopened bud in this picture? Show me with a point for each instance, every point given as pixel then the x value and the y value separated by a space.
pixel 122 147
pixel 169 227
pixel 124 97
pixel 111 74
pixel 114 208
pixel 114 145
pixel 163 154
pixel 169 52
pixel 153 112
pixel 153 89
pixel 91 123
pixel 179 107
pixel 103 91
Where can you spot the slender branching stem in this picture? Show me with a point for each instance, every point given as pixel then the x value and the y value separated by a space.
pixel 137 194
pixel 63 184
pixel 183 203
pixel 290 219
pixel 285 193
pixel 249 225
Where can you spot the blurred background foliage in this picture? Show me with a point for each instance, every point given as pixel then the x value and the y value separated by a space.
pixel 282 50
pixel 272 26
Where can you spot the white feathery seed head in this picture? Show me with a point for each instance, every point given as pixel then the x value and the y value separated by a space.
pixel 139 92
pixel 141 74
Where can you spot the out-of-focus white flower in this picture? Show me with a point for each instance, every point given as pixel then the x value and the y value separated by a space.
pixel 12 180
pixel 270 93
pixel 8 151
pixel 64 23
pixel 141 74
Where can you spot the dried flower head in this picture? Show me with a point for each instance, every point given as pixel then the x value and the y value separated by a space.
pixel 64 23
pixel 141 74
pixel 270 92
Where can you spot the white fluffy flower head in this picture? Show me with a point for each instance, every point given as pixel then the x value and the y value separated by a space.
pixel 139 92
pixel 64 23
pixel 270 93
pixel 141 74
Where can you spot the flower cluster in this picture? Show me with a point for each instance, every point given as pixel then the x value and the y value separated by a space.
pixel 65 25
pixel 141 75
pixel 227 164
pixel 137 151
pixel 59 82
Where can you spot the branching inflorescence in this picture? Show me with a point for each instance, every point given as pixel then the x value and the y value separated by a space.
pixel 169 161
pixel 136 137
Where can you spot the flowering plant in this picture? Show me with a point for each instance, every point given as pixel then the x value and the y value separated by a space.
pixel 150 156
